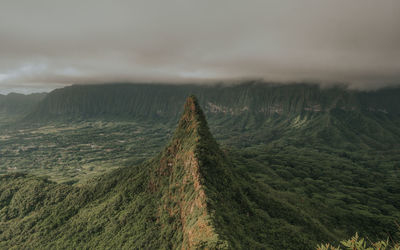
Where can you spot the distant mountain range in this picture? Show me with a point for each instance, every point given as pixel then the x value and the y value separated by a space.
pixel 300 165
pixel 14 104
pixel 190 196
pixel 302 113
pixel 163 100
pixel 250 112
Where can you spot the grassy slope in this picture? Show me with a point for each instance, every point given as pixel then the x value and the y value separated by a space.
pixel 189 196
pixel 340 166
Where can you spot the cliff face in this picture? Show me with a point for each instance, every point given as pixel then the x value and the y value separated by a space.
pixel 19 104
pixel 163 101
pixel 253 112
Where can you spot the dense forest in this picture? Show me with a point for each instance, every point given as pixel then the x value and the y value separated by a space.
pixel 301 166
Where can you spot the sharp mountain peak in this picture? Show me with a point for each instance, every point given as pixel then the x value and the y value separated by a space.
pixel 192 114
pixel 181 177
pixel 190 196
pixel 193 122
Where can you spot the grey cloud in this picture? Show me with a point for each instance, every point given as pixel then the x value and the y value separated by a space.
pixel 48 43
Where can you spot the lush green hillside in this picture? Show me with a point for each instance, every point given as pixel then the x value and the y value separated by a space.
pixel 348 186
pixel 190 196
pixel 163 100
pixel 18 103
pixel 14 106
pixel 327 154
pixel 255 112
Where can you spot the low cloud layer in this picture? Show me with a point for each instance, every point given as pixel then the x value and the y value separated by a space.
pixel 46 44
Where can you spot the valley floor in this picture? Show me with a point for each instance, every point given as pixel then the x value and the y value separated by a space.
pixel 347 191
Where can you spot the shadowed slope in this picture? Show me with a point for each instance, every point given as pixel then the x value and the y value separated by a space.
pixel 190 196
pixel 180 176
pixel 218 206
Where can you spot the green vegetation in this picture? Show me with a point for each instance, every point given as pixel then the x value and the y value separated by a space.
pixel 77 151
pixel 189 196
pixel 359 243
pixel 14 106
pixel 298 166
pixel 14 103
pixel 345 196
pixel 251 101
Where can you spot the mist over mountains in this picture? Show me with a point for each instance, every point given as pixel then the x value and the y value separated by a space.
pixel 43 47
pixel 333 115
pixel 259 99
pixel 229 124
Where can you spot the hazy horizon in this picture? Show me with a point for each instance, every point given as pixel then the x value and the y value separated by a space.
pixel 47 89
pixel 49 44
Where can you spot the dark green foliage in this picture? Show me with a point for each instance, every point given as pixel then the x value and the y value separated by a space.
pixel 77 151
pixel 14 106
pixel 18 103
pixel 298 161
pixel 113 211
pixel 133 207
pixel 345 191
pixel 252 101
pixel 360 243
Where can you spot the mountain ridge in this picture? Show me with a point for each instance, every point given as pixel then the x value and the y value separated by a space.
pixel 253 112
pixel 14 103
pixel 162 100
pixel 189 196
pixel 181 162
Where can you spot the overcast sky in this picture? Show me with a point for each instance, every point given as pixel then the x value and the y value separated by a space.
pixel 46 44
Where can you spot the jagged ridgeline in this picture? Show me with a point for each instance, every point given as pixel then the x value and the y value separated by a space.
pixel 256 112
pixel 190 196
pixel 163 101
